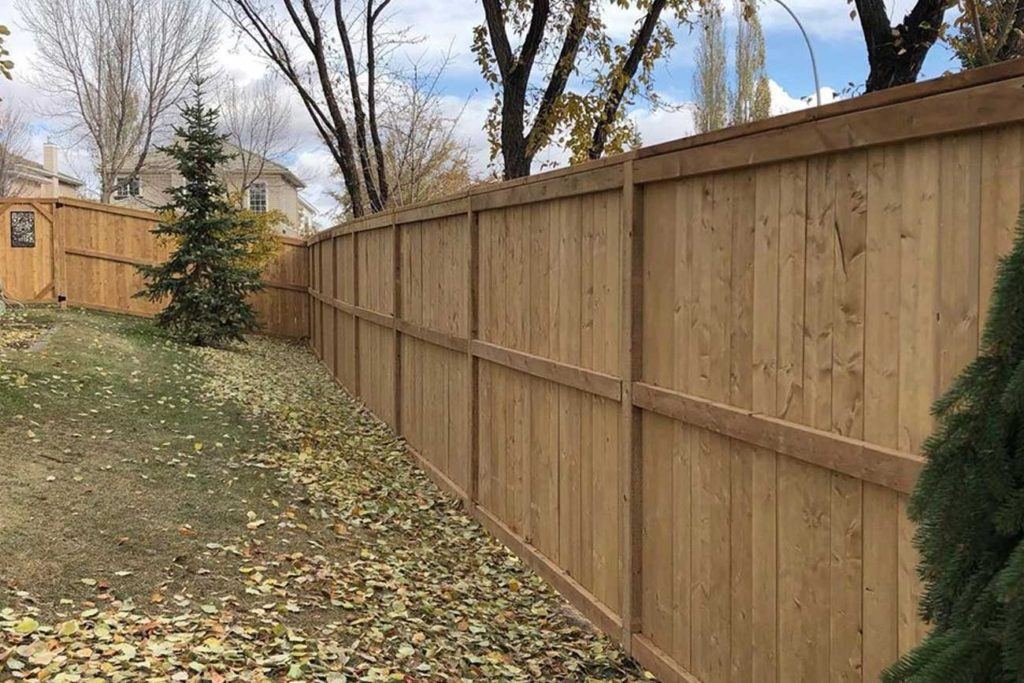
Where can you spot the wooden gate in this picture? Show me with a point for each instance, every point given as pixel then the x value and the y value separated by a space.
pixel 27 249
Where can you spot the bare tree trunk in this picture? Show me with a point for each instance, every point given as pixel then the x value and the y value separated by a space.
pixel 896 53
pixel 14 141
pixel 371 95
pixel 425 155
pixel 313 36
pixel 255 119
pixel 360 158
pixel 517 147
pixel 121 67
pixel 362 144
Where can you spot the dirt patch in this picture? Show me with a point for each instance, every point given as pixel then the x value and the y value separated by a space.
pixel 22 328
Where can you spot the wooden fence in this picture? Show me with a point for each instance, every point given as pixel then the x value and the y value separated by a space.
pixel 85 254
pixel 689 385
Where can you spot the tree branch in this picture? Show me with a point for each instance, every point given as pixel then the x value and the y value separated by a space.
pixel 542 123
pixel 371 97
pixel 357 108
pixel 499 38
pixel 623 77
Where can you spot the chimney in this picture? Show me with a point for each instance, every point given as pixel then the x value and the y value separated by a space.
pixel 50 157
pixel 51 164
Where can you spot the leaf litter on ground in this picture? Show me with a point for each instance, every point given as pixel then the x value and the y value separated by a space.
pixel 402 585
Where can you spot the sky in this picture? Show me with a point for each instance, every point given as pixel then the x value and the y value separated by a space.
pixel 445 27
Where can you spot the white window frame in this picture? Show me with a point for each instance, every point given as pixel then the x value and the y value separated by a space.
pixel 125 187
pixel 253 206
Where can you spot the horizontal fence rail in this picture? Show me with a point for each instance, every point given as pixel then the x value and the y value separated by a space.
pixel 86 254
pixel 689 385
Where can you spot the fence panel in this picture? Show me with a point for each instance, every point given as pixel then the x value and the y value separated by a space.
pixel 435 375
pixel 104 246
pixel 689 385
pixel 88 254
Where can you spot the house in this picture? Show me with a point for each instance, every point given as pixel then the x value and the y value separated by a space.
pixel 29 178
pixel 267 186
pixel 307 217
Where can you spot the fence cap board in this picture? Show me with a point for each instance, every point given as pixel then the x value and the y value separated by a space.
pixel 479 194
pixel 882 98
pixel 983 106
pixel 433 210
pixel 108 208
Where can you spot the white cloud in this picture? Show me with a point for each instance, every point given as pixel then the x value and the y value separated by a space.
pixel 440 27
pixel 660 125
pixel 315 167
pixel 783 102
pixel 236 62
pixel 677 121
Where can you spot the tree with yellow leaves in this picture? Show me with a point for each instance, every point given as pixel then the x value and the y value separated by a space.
pixel 561 39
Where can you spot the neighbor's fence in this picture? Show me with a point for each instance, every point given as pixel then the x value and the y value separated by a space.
pixel 689 385
pixel 85 254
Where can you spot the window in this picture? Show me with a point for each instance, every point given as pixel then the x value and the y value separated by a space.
pixel 126 187
pixel 258 198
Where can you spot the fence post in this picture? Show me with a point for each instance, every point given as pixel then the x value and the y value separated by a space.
pixel 356 379
pixel 308 302
pixel 473 485
pixel 631 462
pixel 60 270
pixel 396 313
pixel 335 313
pixel 311 301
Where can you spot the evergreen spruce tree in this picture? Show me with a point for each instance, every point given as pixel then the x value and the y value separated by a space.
pixel 969 505
pixel 208 276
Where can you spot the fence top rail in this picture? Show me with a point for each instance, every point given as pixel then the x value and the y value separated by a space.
pixel 904 94
pixel 79 203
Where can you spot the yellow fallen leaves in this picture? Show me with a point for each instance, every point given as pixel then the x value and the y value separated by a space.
pixel 253 522
pixel 127 646
pixel 392 582
pixel 26 625
pixel 431 595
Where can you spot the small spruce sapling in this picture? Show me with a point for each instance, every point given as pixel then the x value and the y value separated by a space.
pixel 207 279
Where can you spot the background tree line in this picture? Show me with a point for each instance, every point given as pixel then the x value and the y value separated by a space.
pixel 117 71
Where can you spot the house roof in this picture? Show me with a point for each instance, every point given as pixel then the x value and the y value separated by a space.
pixel 160 161
pixel 34 169
pixel 308 206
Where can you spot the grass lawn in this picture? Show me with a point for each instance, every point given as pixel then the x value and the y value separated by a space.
pixel 174 514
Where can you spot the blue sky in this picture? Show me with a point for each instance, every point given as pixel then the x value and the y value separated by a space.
pixel 446 25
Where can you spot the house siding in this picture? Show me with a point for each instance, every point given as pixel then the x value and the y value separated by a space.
pixel 281 195
pixel 39 187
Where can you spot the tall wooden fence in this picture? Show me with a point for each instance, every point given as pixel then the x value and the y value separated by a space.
pixel 689 385
pixel 85 254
